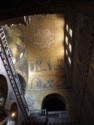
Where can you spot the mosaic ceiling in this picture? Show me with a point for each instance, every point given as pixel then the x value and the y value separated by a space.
pixel 44 34
pixel 15 41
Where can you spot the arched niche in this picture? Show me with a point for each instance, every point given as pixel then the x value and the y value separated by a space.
pixel 3 90
pixel 22 82
pixel 13 115
pixel 54 102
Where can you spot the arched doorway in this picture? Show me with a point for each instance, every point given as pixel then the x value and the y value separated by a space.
pixel 22 82
pixel 13 115
pixel 54 102
pixel 3 90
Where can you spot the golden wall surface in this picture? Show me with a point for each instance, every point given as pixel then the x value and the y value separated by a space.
pixel 45 57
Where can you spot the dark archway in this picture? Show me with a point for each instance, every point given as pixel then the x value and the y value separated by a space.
pixel 13 114
pixel 22 82
pixel 3 90
pixel 54 102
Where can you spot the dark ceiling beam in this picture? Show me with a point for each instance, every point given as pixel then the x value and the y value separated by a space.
pixel 23 7
pixel 19 20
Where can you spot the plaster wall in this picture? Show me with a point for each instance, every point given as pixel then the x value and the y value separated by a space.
pixel 11 98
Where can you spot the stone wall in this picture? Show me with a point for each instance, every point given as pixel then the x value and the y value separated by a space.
pixel 88 107
pixel 81 84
